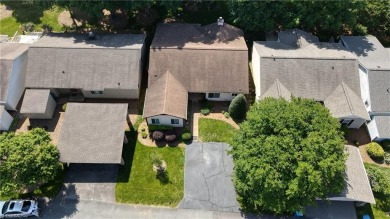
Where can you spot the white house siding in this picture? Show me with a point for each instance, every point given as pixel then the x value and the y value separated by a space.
pixel 256 71
pixel 364 87
pixel 165 120
pixel 17 81
pixel 113 94
pixel 372 129
pixel 222 97
pixel 5 120
pixel 357 122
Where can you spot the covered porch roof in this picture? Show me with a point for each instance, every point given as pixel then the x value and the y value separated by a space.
pixel 35 101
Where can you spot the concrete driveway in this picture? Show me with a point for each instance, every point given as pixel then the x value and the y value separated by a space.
pixel 207 178
pixel 91 182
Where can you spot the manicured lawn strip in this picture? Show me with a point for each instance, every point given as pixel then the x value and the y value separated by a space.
pixel 137 182
pixel 212 130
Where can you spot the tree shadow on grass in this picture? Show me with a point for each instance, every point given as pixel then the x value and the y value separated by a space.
pixel 26 12
pixel 163 177
pixel 127 155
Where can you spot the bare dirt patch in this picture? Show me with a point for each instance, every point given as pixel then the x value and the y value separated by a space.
pixel 5 11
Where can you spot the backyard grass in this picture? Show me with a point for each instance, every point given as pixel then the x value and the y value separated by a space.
pixel 212 130
pixel 137 182
pixel 10 25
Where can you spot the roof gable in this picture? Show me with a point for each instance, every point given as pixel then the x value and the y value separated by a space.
pixel 277 90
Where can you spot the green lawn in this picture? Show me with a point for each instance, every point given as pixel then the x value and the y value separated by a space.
pixel 137 183
pixel 212 130
pixel 11 24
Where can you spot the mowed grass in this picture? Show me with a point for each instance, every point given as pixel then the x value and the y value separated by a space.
pixel 10 25
pixel 137 182
pixel 212 130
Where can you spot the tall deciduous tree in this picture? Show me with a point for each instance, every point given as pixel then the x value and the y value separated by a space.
pixel 26 160
pixel 287 154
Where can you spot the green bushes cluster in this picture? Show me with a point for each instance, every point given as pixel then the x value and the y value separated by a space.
pixel 237 108
pixel 186 136
pixel 205 107
pixel 159 128
pixel 375 151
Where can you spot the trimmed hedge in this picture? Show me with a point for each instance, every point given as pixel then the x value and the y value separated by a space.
pixel 237 108
pixel 186 136
pixel 375 151
pixel 157 135
pixel 159 128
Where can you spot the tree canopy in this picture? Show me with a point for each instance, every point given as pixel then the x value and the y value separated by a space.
pixel 26 160
pixel 287 154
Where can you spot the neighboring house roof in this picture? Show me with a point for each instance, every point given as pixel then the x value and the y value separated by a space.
pixel 277 90
pixel 35 101
pixel 379 83
pixel 296 38
pixel 358 186
pixel 93 133
pixel 110 61
pixel 166 96
pixel 343 102
pixel 8 53
pixel 383 126
pixel 372 55
pixel 203 59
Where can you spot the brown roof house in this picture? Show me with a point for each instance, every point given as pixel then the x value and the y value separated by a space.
pixel 189 58
pixel 374 73
pixel 78 66
pixel 13 62
pixel 301 66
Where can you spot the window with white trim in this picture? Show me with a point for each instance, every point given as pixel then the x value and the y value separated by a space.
pixel 155 121
pixel 347 122
pixel 214 95
pixel 174 121
pixel 96 92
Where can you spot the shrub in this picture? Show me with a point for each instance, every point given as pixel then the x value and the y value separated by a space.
pixel 205 107
pixel 380 183
pixel 64 107
pixel 227 115
pixel 386 145
pixel 237 108
pixel 144 134
pixel 356 142
pixel 205 111
pixel 28 27
pixel 345 130
pixel 159 128
pixel 387 157
pixel 186 136
pixel 170 137
pixel 375 151
pixel 143 129
pixel 157 135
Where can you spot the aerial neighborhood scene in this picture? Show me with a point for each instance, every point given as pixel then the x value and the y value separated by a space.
pixel 195 109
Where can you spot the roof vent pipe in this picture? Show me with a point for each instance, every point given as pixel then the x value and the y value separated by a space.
pixel 220 21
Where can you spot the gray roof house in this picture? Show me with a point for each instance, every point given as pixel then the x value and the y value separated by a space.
pixel 104 66
pixel 13 62
pixel 325 72
pixel 190 58
pixel 374 72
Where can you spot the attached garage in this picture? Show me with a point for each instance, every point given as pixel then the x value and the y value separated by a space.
pixel 38 104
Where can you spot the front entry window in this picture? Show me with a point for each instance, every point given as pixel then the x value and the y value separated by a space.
pixel 155 121
pixel 214 95
pixel 346 122
pixel 174 121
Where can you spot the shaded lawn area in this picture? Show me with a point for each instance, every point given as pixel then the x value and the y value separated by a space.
pixel 212 130
pixel 137 182
pixel 382 201
pixel 11 24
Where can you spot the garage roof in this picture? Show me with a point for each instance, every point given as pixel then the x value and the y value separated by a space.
pixel 35 101
pixel 93 133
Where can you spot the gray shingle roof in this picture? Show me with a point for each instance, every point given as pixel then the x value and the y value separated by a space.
pixel 8 53
pixel 218 65
pixel 35 101
pixel 379 83
pixel 66 61
pixel 93 133
pixel 296 37
pixel 383 126
pixel 166 96
pixel 358 186
pixel 343 102
pixel 370 51
pixel 277 90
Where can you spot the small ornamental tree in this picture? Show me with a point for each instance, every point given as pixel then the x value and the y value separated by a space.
pixel 237 108
pixel 27 160
pixel 287 154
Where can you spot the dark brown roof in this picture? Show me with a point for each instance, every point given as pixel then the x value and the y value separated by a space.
pixel 166 96
pixel 203 59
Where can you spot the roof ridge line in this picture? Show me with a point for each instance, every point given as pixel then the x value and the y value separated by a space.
pixel 348 98
pixel 278 88
pixel 166 91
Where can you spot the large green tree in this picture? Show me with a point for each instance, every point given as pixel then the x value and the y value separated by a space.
pixel 286 154
pixel 26 161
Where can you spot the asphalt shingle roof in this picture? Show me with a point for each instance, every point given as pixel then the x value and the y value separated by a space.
pixel 296 37
pixel 71 61
pixel 35 101
pixel 277 90
pixel 383 126
pixel 379 83
pixel 93 133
